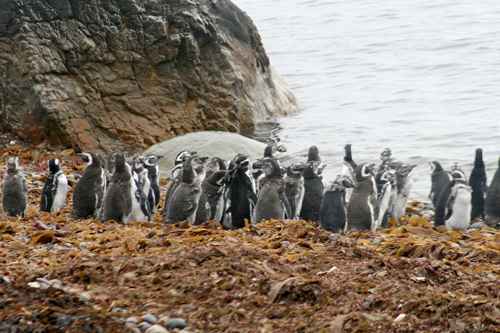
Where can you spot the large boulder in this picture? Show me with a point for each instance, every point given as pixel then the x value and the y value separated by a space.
pixel 113 74
pixel 212 144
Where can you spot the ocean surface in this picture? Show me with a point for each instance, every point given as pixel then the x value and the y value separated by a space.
pixel 421 77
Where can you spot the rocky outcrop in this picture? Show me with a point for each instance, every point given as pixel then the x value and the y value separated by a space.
pixel 111 74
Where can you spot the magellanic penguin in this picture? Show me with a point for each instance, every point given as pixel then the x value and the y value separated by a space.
pixel 361 207
pixel 386 198
pixel 348 168
pixel 333 212
pixel 90 188
pixel 176 176
pixel 185 200
pixel 211 203
pixel 151 162
pixel 404 184
pixel 313 184
pixel 272 202
pixel 143 193
pixel 271 148
pixel 15 191
pixel 492 203
pixel 118 199
pixel 295 189
pixel 459 204
pixel 440 191
pixel 478 182
pixel 239 194
pixel 55 189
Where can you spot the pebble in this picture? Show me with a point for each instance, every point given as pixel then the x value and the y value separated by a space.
pixel 156 329
pixel 399 318
pixel 173 323
pixel 84 297
pixel 150 318
pixel 144 326
pixel 132 328
pixel 132 320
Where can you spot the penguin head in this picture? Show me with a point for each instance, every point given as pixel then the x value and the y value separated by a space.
pixel 86 157
pixel 457 174
pixel 268 151
pixel 240 162
pixel 364 171
pixel 313 154
pixel 193 169
pixel 152 160
pixel 340 184
pixel 435 167
pixel 54 166
pixel 138 164
pixel 386 155
pixel 295 170
pixel 183 156
pixel 13 164
pixel 216 164
pixel 120 162
pixel 271 167
pixel 388 176
pixel 478 160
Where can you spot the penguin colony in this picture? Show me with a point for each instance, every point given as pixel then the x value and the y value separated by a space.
pixel 362 197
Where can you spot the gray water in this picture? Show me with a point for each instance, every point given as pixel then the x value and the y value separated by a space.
pixel 420 77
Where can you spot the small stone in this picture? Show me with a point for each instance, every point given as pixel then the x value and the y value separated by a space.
pixel 173 323
pixel 133 320
pixel 150 318
pixel 399 318
pixel 156 329
pixel 85 297
pixel 132 328
pixel 144 326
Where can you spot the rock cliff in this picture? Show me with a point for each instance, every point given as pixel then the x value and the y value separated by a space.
pixel 109 74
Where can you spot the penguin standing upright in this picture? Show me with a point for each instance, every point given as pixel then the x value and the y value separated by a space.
pixel 185 199
pixel 175 177
pixel 478 182
pixel 459 204
pixel 55 189
pixel 272 202
pixel 387 194
pixel 14 189
pixel 492 203
pixel 440 191
pixel 151 162
pixel 295 189
pixel 313 184
pixel 143 193
pixel 239 194
pixel 333 212
pixel 117 204
pixel 210 207
pixel 403 186
pixel 361 207
pixel 90 188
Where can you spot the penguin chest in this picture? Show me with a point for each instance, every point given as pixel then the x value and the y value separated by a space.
pixel 269 204
pixel 333 211
pixel 461 210
pixel 184 203
pixel 361 207
pixel 61 191
pixel 294 190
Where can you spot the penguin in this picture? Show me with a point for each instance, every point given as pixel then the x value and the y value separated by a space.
pixel 90 188
pixel 361 207
pixel 269 150
pixel 387 196
pixel 151 162
pixel 295 189
pixel 210 207
pixel 348 168
pixel 184 202
pixel 175 176
pixel 492 203
pixel 459 204
pixel 333 211
pixel 55 189
pixel 14 188
pixel 272 202
pixel 478 182
pixel 117 204
pixel 440 191
pixel 403 186
pixel 239 194
pixel 143 193
pixel 313 184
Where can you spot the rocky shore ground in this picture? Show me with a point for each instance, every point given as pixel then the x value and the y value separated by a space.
pixel 62 275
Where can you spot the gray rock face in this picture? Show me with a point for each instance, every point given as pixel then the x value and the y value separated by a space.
pixel 102 74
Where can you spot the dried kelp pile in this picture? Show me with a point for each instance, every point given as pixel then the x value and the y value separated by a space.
pixel 62 275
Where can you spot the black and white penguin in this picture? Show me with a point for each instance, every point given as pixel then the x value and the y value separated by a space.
pixel 184 202
pixel 272 202
pixel 333 212
pixel 313 184
pixel 117 204
pixel 403 186
pixel 55 189
pixel 176 176
pixel 479 184
pixel 440 191
pixel 295 189
pixel 386 197
pixel 361 207
pixel 15 191
pixel 90 188
pixel 143 200
pixel 492 203
pixel 211 203
pixel 239 194
pixel 152 164
pixel 257 167
pixel 459 205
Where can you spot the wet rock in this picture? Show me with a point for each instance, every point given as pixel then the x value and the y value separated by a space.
pixel 175 323
pixel 132 328
pixel 85 297
pixel 132 320
pixel 132 73
pixel 150 318
pixel 144 326
pixel 156 329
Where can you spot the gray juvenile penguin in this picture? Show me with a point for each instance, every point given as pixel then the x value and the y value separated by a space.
pixel 440 191
pixel 90 188
pixel 272 202
pixel 479 184
pixel 118 199
pixel 313 183
pixel 492 203
pixel 185 199
pixel 14 189
pixel 333 212
pixel 175 177
pixel 361 207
